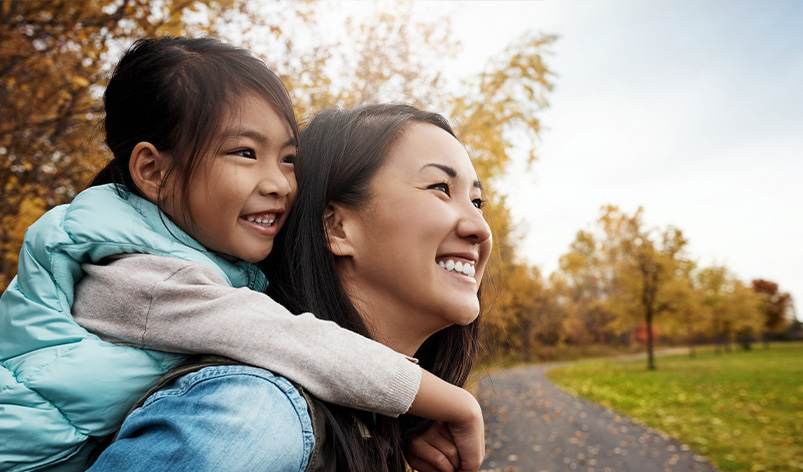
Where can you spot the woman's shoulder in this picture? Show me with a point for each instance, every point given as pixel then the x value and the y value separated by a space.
pixel 265 411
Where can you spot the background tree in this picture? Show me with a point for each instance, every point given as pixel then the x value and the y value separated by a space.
pixel 689 316
pixel 622 278
pixel 745 306
pixel 712 284
pixel 580 285
pixel 734 309
pixel 776 307
pixel 645 264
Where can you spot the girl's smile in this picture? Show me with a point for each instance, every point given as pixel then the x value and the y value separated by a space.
pixel 240 195
pixel 264 223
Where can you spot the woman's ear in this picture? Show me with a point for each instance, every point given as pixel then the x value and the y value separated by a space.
pixel 338 221
pixel 148 168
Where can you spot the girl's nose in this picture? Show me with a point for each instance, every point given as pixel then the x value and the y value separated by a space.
pixel 277 182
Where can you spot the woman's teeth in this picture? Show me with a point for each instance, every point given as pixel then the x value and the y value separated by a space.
pixel 464 268
pixel 262 221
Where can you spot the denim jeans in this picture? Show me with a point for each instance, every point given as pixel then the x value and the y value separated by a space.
pixel 227 418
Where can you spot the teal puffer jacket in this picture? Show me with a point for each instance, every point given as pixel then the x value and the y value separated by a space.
pixel 62 388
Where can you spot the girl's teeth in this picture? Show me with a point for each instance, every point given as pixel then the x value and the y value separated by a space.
pixel 464 268
pixel 261 221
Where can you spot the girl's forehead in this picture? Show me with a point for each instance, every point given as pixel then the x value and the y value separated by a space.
pixel 250 109
pixel 238 106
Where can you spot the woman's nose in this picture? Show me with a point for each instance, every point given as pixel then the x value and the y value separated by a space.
pixel 473 225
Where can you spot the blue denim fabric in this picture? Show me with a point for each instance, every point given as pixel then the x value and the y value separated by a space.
pixel 227 418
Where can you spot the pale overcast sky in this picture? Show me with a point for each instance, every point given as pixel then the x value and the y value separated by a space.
pixel 692 109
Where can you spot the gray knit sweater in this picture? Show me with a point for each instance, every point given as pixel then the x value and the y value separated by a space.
pixel 173 305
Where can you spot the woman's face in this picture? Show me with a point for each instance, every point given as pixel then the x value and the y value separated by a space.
pixel 421 244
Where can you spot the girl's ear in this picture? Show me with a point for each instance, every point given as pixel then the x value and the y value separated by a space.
pixel 339 229
pixel 148 168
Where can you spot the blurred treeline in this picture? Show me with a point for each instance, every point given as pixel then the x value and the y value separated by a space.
pixel 55 57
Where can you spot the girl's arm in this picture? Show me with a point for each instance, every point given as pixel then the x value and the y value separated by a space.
pixel 441 401
pixel 173 305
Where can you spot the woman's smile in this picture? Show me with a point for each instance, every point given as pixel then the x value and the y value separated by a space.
pixel 459 267
pixel 424 277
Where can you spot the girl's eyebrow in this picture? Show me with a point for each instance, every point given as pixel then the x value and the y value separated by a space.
pixel 450 172
pixel 255 135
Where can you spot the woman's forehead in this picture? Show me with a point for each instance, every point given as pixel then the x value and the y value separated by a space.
pixel 427 148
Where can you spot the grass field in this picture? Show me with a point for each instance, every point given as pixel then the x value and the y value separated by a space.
pixel 743 410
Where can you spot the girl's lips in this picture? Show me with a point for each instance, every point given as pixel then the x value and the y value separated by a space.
pixel 263 229
pixel 275 213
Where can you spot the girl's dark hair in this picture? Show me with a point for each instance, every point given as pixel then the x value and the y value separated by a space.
pixel 172 93
pixel 344 149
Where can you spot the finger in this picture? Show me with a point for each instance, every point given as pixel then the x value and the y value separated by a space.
pixel 443 442
pixel 471 465
pixel 472 453
pixel 425 457
pixel 422 466
pixel 443 429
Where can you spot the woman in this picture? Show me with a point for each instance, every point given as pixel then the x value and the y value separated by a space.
pixel 386 238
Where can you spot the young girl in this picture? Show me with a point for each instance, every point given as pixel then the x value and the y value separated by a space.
pixel 203 176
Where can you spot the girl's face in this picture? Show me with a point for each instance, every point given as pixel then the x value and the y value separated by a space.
pixel 422 243
pixel 241 192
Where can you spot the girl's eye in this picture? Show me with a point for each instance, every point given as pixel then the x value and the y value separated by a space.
pixel 443 187
pixel 289 159
pixel 478 203
pixel 247 153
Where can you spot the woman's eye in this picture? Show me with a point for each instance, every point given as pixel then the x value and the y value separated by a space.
pixel 478 203
pixel 248 153
pixel 443 187
pixel 289 159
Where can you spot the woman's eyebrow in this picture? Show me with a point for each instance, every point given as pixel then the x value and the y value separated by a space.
pixel 450 172
pixel 446 169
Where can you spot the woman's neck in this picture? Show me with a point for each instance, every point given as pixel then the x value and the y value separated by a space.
pixel 388 323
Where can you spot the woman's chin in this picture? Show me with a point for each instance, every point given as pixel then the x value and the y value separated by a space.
pixel 469 319
pixel 465 316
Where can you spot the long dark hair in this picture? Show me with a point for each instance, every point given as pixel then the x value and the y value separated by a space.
pixel 344 149
pixel 172 93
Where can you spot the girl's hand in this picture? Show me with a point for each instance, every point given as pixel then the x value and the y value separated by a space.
pixel 469 435
pixel 461 415
pixel 433 450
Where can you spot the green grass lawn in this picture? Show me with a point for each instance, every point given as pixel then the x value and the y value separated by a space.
pixel 743 410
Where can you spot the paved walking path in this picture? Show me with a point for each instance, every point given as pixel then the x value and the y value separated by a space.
pixel 532 425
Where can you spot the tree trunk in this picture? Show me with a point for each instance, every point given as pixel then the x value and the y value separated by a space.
pixel 650 353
